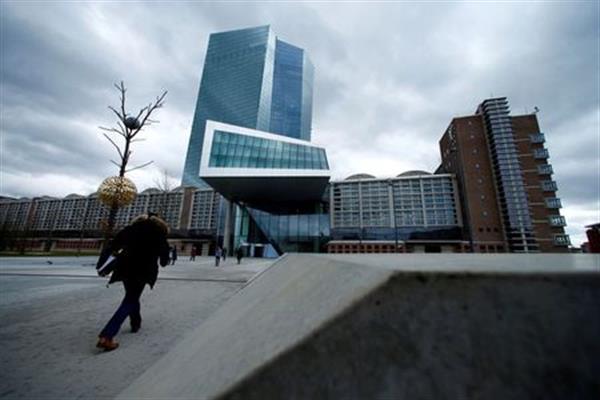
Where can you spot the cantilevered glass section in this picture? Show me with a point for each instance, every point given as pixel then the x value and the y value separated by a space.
pixel 234 150
pixel 230 150
pixel 251 166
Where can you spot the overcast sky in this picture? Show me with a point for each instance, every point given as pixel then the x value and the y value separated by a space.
pixel 389 78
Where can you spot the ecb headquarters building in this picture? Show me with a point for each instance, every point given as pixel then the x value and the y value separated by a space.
pixel 250 142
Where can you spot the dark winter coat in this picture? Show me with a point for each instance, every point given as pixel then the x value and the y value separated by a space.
pixel 144 242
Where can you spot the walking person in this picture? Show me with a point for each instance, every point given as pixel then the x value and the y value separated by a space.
pixel 224 253
pixel 239 253
pixel 193 254
pixel 173 255
pixel 218 254
pixel 141 245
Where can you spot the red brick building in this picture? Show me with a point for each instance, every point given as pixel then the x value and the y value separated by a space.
pixel 505 182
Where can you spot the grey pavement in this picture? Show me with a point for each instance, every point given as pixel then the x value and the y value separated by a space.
pixel 51 315
pixel 202 269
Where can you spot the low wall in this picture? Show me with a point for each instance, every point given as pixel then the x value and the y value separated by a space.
pixel 396 326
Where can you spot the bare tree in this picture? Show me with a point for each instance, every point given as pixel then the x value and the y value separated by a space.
pixel 128 127
pixel 164 184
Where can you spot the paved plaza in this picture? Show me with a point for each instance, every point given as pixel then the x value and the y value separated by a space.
pixel 53 308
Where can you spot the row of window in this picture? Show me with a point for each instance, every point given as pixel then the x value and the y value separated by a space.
pixel 416 202
pixel 88 213
pixel 232 150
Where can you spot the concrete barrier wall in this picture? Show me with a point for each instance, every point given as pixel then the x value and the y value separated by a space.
pixel 408 326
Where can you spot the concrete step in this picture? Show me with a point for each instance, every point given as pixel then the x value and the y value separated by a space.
pixel 396 326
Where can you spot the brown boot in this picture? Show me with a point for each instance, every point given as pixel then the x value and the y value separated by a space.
pixel 107 344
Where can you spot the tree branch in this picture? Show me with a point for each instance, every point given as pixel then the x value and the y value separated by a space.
pixel 121 118
pixel 141 112
pixel 160 100
pixel 128 134
pixel 114 144
pixel 114 130
pixel 123 91
pixel 139 166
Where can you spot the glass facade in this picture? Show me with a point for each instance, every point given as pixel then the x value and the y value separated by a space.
pixel 553 202
pixel 508 175
pixel 292 92
pixel 308 73
pixel 549 186
pixel 205 205
pixel 400 202
pixel 557 220
pixel 537 138
pixel 545 169
pixel 231 89
pixel 233 150
pixel 294 232
pixel 444 233
pixel 562 240
pixel 250 79
pixel 540 154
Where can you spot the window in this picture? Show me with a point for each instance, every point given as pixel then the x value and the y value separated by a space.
pixel 540 153
pixel 537 138
pixel 553 202
pixel 549 186
pixel 562 240
pixel 557 220
pixel 544 169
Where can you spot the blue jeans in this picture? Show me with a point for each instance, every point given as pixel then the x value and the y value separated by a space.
pixel 130 307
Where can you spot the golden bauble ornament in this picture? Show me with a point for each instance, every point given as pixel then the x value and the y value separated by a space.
pixel 117 191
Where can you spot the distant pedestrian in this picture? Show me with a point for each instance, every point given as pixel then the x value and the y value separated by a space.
pixel 218 254
pixel 193 254
pixel 173 255
pixel 239 253
pixel 224 253
pixel 140 245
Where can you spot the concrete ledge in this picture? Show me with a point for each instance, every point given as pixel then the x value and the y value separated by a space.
pixel 396 326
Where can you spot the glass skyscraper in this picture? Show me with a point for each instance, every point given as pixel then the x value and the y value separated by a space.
pixel 254 80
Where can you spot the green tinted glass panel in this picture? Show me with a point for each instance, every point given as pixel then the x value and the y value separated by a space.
pixel 231 150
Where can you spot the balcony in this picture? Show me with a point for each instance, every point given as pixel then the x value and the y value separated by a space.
pixel 540 154
pixel 545 169
pixel 549 186
pixel 553 202
pixel 562 240
pixel 557 221
pixel 537 138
